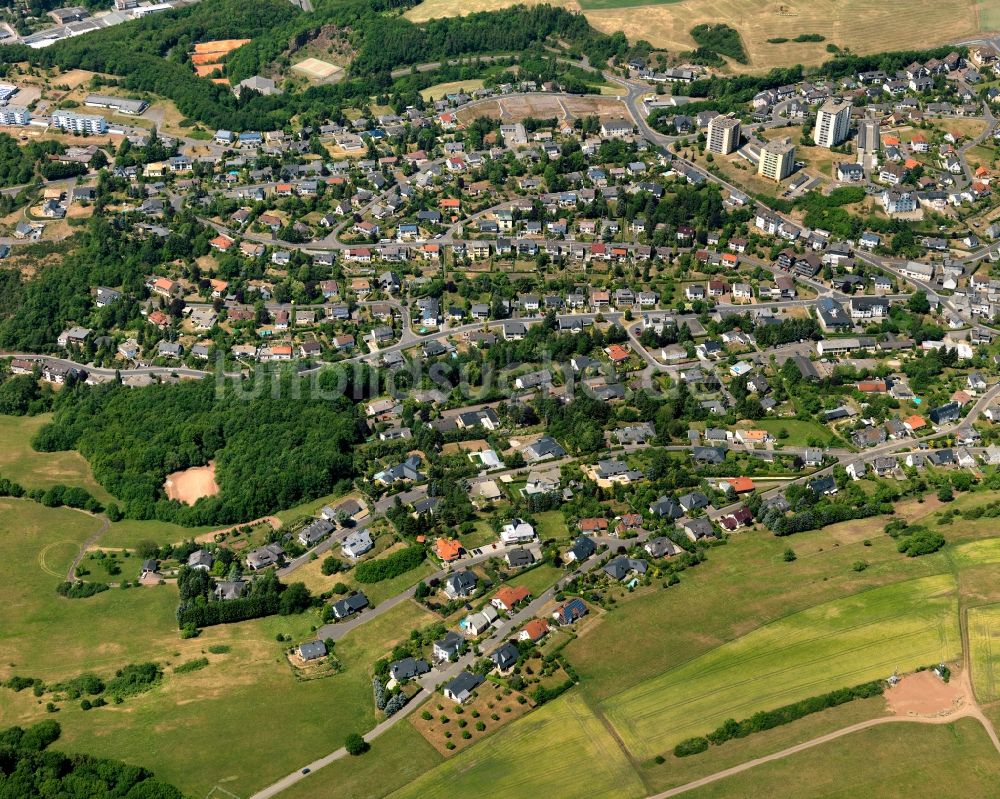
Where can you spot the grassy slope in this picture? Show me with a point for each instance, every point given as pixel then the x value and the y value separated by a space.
pixel 44 635
pixel 844 642
pixel 249 700
pixel 540 755
pixel 914 761
pixel 18 461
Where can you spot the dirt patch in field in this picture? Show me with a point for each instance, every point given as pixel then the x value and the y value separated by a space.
pixel 545 106
pixel 925 694
pixel 192 484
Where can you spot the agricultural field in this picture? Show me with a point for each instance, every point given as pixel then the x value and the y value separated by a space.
pixel 741 586
pixel 984 629
pixel 19 462
pixel 838 644
pixel 862 27
pixel 532 758
pixel 915 761
pixel 682 770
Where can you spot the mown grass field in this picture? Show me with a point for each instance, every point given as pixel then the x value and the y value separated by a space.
pixel 837 644
pixel 908 761
pixel 984 643
pixel 397 757
pixel 44 635
pixel 19 462
pixel 561 750
pixel 538 579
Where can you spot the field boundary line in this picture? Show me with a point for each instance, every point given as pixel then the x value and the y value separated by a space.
pixel 813 742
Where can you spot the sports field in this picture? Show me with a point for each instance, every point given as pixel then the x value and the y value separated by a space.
pixel 984 632
pixel 833 645
pixel 891 761
pixel 561 750
pixel 863 27
pixel 317 69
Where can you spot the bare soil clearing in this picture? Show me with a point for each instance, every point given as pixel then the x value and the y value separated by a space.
pixel 192 484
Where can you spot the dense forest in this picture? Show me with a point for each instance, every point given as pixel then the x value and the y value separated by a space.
pixel 28 769
pixel 272 450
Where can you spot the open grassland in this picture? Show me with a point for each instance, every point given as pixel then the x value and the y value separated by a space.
pixel 863 27
pixel 245 701
pixel 834 645
pixel 44 635
pixel 19 462
pixel 911 761
pixel 984 632
pixel 185 719
pixel 561 750
pixel 129 533
pixel 396 758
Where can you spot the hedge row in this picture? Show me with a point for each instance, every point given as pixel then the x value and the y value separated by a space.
pixel 768 719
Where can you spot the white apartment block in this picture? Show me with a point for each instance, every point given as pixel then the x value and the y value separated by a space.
pixel 833 121
pixel 723 135
pixel 777 160
pixel 14 115
pixel 79 123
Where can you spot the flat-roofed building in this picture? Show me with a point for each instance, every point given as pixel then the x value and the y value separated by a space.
pixel 723 135
pixel 833 121
pixel 777 159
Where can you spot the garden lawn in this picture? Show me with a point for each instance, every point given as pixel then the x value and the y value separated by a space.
pixel 560 750
pixel 800 433
pixel 908 761
pixel 19 462
pixel 834 645
pixel 551 524
pixel 538 579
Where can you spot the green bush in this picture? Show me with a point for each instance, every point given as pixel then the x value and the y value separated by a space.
pixel 923 542
pixel 191 665
pixel 691 746
pixel 374 571
pixel 722 39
